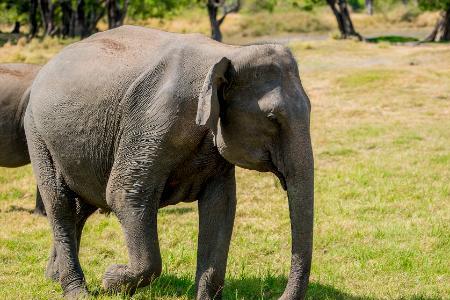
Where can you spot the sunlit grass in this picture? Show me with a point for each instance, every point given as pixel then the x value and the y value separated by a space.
pixel 380 126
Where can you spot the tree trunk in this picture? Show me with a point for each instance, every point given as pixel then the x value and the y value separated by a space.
pixel 47 14
pixel 95 14
pixel 16 28
pixel 216 34
pixel 340 11
pixel 369 7
pixel 33 19
pixel 67 19
pixel 441 31
pixel 80 20
pixel 213 9
pixel 116 14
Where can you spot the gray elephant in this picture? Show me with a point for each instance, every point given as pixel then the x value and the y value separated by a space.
pixel 143 119
pixel 15 84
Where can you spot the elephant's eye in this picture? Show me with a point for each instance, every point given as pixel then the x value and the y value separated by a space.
pixel 272 117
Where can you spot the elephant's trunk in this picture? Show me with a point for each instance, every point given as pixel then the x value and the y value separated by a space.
pixel 298 170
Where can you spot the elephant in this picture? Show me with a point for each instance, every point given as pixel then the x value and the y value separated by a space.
pixel 133 119
pixel 15 84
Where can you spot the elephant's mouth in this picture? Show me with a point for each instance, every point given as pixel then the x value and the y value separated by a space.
pixel 277 172
pixel 281 178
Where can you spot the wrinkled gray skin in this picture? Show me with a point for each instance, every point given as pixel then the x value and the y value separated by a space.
pixel 134 119
pixel 15 83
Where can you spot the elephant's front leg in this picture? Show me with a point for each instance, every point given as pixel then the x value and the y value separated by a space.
pixel 136 210
pixel 217 206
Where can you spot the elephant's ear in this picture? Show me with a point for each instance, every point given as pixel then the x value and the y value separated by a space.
pixel 208 109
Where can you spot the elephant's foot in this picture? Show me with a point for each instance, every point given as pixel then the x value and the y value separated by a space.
pixel 119 278
pixel 209 295
pixel 77 293
pixel 209 290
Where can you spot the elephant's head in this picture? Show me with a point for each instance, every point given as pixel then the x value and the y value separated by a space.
pixel 256 107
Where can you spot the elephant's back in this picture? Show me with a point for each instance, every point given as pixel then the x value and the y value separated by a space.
pixel 78 98
pixel 15 81
pixel 94 72
pixel 91 77
pixel 75 102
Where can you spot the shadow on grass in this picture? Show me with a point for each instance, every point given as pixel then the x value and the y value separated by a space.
pixel 176 210
pixel 270 287
pixel 169 286
pixel 9 37
pixel 3 39
pixel 14 208
pixel 394 39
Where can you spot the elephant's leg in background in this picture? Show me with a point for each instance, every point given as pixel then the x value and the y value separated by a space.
pixel 217 206
pixel 136 207
pixel 61 211
pixel 39 209
pixel 84 210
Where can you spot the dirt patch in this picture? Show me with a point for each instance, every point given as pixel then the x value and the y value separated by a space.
pixel 11 72
pixel 110 45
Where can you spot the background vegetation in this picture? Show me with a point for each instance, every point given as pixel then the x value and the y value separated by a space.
pixel 70 18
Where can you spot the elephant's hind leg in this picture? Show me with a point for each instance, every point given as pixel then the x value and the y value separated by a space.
pixel 84 210
pixel 61 211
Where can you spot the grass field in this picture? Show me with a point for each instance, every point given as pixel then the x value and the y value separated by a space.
pixel 381 135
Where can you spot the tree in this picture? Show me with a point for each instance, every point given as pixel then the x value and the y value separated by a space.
pixel 342 14
pixel 47 8
pixel 116 12
pixel 89 13
pixel 71 18
pixel 369 7
pixel 143 9
pixel 441 31
pixel 16 12
pixel 213 7
pixel 66 24
pixel 33 18
pixel 16 27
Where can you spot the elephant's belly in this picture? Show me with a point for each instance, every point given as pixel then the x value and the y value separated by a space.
pixel 176 192
pixel 188 179
pixel 85 177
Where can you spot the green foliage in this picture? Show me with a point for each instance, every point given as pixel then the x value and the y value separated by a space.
pixel 280 5
pixel 356 4
pixel 392 39
pixel 141 9
pixel 268 5
pixel 13 10
pixel 434 4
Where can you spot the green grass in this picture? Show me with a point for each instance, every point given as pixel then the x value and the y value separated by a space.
pixel 392 39
pixel 380 127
